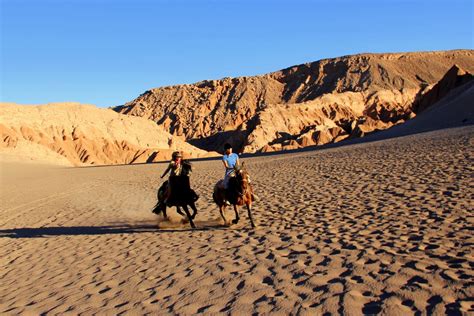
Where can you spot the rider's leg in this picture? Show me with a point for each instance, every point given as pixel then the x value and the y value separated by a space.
pixel 167 194
pixel 225 185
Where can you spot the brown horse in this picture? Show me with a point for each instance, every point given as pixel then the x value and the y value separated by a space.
pixel 238 193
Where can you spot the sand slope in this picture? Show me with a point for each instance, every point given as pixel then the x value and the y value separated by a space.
pixel 376 227
pixel 79 134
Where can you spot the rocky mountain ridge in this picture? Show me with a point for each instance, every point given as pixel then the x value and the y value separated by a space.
pixel 303 105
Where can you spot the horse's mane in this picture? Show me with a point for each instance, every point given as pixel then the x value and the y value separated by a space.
pixel 187 168
pixel 236 183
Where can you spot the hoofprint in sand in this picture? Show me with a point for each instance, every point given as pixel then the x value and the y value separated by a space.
pixel 375 227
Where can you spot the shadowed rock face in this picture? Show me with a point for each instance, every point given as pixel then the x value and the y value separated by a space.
pixel 75 134
pixel 454 78
pixel 309 104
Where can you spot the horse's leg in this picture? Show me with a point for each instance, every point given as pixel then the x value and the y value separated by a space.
pixel 221 210
pixel 236 219
pixel 164 211
pixel 193 206
pixel 249 206
pixel 178 210
pixel 184 220
pixel 189 216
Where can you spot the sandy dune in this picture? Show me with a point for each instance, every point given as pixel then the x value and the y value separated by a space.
pixel 77 134
pixel 376 227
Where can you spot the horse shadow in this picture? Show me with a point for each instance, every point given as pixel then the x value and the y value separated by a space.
pixel 113 229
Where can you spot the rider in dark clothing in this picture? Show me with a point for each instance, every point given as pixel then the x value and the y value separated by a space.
pixel 175 167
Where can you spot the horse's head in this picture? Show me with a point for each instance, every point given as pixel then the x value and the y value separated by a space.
pixel 242 176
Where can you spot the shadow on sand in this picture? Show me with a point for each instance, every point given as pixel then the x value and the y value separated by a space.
pixel 37 232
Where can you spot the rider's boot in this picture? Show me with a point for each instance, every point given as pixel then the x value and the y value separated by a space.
pixel 255 197
pixel 226 201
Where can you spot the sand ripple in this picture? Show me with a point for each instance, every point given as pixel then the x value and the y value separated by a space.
pixel 382 227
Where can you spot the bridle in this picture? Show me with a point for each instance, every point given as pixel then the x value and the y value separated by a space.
pixel 242 180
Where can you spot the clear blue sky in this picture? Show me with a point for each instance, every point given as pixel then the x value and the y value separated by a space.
pixel 108 52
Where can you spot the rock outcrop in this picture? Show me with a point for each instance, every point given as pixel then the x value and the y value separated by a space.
pixel 75 134
pixel 455 109
pixel 305 105
pixel 455 77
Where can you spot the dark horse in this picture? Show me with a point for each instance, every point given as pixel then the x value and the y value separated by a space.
pixel 182 195
pixel 238 193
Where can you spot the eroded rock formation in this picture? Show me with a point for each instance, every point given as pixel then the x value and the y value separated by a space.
pixel 310 104
pixel 75 134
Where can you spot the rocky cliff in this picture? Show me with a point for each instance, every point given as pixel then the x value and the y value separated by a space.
pixel 309 104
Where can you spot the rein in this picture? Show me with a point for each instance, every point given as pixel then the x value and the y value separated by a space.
pixel 245 191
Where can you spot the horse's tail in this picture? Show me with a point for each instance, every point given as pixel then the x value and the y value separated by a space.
pixel 218 195
pixel 158 208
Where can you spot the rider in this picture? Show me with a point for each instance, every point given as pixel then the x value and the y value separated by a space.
pixel 175 166
pixel 230 160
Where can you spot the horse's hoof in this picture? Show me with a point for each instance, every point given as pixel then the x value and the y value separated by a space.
pixel 225 223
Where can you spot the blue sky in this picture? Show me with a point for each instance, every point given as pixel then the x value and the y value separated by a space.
pixel 107 52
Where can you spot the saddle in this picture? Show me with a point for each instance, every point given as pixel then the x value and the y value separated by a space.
pixel 230 194
pixel 180 190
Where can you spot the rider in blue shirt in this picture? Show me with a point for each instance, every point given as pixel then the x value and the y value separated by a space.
pixel 230 160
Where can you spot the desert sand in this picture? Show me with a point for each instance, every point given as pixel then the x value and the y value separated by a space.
pixel 375 227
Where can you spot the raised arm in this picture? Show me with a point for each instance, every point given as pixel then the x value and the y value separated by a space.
pixel 166 171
